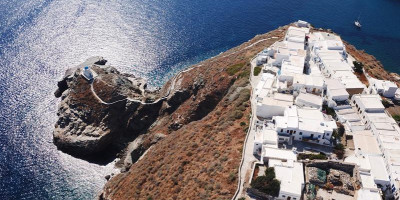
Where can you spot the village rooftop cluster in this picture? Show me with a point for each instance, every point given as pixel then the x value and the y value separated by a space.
pixel 304 76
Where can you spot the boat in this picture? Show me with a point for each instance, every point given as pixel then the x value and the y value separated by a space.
pixel 357 23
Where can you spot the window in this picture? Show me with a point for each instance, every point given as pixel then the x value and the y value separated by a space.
pixel 294 132
pixel 301 133
pixel 327 134
pixel 291 131
pixel 281 130
pixel 287 131
pixel 319 136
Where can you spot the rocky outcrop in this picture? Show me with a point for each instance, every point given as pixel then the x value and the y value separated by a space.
pixel 102 115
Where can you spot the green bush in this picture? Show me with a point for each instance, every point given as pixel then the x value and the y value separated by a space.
pixel 232 70
pixel 270 173
pixel 244 96
pixel 386 103
pixel 329 111
pixel 339 147
pixel 268 183
pixel 358 66
pixel 341 130
pixel 319 156
pixel 245 74
pixel 257 71
pixel 242 123
pixel 238 114
pixel 231 178
pixel 339 150
pixel 396 117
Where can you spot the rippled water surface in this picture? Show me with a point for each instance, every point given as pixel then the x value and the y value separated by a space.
pixel 40 39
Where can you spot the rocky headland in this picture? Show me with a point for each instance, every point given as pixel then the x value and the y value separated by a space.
pixel 183 141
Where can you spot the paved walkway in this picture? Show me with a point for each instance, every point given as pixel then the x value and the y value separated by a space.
pixel 248 157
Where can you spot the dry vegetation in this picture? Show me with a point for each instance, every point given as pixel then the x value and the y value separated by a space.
pixel 200 158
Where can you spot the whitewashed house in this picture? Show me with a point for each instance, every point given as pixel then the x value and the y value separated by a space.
pixel 264 137
pixel 309 100
pixel 382 87
pixel 273 105
pixel 304 124
pixel 287 170
pixel 336 93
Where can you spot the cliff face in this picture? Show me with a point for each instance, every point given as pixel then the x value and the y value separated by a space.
pixel 203 123
pixel 99 116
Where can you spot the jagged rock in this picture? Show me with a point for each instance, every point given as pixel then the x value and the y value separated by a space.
pixel 100 116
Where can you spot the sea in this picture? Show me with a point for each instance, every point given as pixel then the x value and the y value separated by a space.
pixel 40 39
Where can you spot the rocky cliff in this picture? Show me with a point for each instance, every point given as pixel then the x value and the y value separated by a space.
pixel 99 116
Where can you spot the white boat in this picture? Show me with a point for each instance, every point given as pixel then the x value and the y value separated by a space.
pixel 357 23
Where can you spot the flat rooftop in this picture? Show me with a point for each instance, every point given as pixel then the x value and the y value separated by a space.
pixel 291 176
pixel 366 142
pixel 280 154
pixel 371 101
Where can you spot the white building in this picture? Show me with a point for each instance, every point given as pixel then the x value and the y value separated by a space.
pixel 309 100
pixel 329 53
pixel 387 133
pixel 291 176
pixel 287 170
pixel 295 65
pixel 87 73
pixel 307 124
pixel 336 93
pixel 382 87
pixel 264 137
pixel 311 83
pixel 363 194
pixel 265 87
pixel 273 105
pixel 368 104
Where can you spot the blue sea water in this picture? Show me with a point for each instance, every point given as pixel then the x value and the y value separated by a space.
pixel 40 39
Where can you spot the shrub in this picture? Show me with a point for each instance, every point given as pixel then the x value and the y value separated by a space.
pixel 245 74
pixel 339 147
pixel 242 108
pixel 341 130
pixel 270 173
pixel 358 66
pixel 329 111
pixel 396 117
pixel 244 96
pixel 319 156
pixel 339 150
pixel 256 71
pixel 238 114
pixel 242 123
pixel 268 183
pixel 232 177
pixel 386 103
pixel 232 70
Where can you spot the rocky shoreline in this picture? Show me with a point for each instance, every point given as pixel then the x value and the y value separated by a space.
pixel 193 124
pixel 98 117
